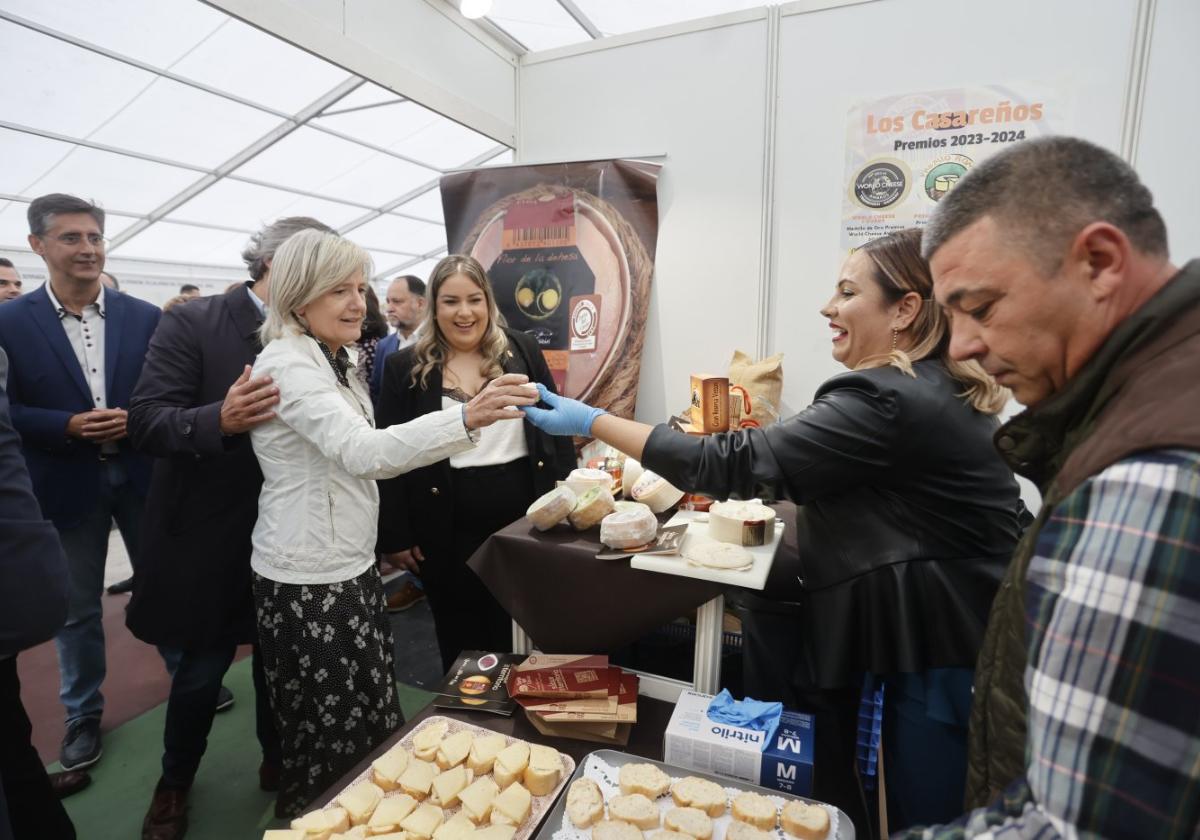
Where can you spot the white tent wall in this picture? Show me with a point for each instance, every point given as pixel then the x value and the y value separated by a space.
pixel 422 50
pixel 697 96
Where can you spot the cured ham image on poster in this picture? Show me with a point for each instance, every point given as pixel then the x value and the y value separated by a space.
pixel 569 249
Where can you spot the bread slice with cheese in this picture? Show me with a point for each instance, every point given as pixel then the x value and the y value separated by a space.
pixel 453 749
pixel 807 822
pixel 360 800
pixel 320 825
pixel 417 778
pixel 690 821
pixel 645 779
pixel 512 806
pixel 387 769
pixel 448 784
pixel 694 792
pixel 484 749
pixel 422 822
pixel 495 832
pixel 616 830
pixel 457 827
pixel 477 798
pixel 744 831
pixel 634 809
pixel 543 770
pixel 510 763
pixel 585 803
pixel 754 809
pixel 358 832
pixel 390 813
pixel 391 835
pixel 426 742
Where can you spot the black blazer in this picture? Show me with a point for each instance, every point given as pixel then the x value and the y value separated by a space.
pixel 424 495
pixel 907 520
pixel 192 589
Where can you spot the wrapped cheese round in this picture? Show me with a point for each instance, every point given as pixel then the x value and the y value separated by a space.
pixel 655 491
pixel 595 504
pixel 629 528
pixel 581 479
pixel 741 523
pixel 717 555
pixel 624 505
pixel 630 473
pixel 552 508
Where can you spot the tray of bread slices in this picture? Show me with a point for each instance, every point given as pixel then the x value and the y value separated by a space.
pixel 445 780
pixel 616 796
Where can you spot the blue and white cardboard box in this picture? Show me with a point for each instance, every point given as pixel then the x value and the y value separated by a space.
pixel 697 743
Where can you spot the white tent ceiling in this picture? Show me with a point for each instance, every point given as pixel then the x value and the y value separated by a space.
pixel 193 129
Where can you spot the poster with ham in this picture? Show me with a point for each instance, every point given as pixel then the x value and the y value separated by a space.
pixel 569 249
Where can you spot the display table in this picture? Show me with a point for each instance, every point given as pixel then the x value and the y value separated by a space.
pixel 645 739
pixel 566 601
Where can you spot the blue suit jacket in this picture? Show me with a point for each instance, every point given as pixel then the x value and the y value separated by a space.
pixel 46 386
pixel 390 343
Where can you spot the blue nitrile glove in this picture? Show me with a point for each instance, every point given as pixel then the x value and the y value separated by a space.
pixel 748 713
pixel 565 417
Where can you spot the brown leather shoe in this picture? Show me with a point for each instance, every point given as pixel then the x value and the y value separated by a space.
pixel 268 777
pixel 167 817
pixel 405 597
pixel 68 782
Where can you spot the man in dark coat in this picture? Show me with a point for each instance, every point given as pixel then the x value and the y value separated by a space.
pixel 192 410
pixel 33 606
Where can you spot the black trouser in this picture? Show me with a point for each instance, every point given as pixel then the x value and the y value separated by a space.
pixel 33 810
pixel 465 614
pixel 192 705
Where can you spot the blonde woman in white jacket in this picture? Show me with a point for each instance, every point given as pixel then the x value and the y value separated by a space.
pixel 322 623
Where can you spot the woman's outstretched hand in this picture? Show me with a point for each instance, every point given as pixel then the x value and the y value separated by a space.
pixel 499 400
pixel 565 415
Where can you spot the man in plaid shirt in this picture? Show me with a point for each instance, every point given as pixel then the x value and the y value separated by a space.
pixel 1052 264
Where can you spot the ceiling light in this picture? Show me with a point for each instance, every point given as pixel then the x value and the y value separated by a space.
pixel 474 8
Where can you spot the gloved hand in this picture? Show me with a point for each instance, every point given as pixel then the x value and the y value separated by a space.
pixel 565 416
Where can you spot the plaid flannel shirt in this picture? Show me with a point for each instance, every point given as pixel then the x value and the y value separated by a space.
pixel 1113 677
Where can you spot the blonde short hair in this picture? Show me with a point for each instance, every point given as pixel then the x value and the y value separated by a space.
pixel 307 265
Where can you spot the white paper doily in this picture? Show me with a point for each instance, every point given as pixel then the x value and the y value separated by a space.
pixel 606 775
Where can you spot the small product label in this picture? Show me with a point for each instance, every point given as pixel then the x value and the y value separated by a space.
pixel 585 323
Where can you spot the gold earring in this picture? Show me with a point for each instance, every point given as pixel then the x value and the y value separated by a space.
pixel 895 338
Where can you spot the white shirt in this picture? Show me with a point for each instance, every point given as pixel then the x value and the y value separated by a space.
pixel 318 511
pixel 402 342
pixel 500 443
pixel 85 332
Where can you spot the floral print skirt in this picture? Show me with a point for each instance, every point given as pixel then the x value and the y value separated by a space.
pixel 327 656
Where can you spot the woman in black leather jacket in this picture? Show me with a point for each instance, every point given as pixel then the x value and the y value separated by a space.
pixel 907 519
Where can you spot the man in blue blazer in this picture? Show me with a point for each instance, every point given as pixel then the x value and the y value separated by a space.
pixel 75 351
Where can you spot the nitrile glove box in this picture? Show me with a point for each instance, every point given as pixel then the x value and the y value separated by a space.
pixel 697 743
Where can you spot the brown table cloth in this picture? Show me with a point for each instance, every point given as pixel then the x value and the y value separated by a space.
pixel 645 739
pixel 569 602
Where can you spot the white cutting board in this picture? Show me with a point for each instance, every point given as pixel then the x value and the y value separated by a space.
pixel 753 578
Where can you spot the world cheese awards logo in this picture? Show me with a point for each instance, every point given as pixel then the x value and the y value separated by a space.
pixel 881 183
pixel 944 175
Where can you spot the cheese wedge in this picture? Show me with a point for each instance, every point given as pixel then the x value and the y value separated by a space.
pixel 477 798
pixel 457 827
pixel 387 769
pixel 422 822
pixel 510 763
pixel 484 749
pixel 448 784
pixel 320 825
pixel 417 779
pixel 426 742
pixel 543 771
pixel 359 832
pixel 391 835
pixel 390 813
pixel 360 800
pixel 512 806
pixel 453 749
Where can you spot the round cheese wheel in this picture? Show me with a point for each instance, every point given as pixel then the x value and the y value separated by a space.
pixel 595 504
pixel 581 479
pixel 717 555
pixel 741 523
pixel 630 473
pixel 624 505
pixel 551 508
pixel 655 491
pixel 629 528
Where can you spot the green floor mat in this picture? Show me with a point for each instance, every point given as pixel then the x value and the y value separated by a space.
pixel 225 802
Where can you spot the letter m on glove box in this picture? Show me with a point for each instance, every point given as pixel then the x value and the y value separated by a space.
pixel 787 762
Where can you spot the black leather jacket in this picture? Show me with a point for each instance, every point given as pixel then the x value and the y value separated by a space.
pixel 907 516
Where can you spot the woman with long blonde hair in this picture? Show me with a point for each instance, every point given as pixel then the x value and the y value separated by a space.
pixel 907 519
pixel 323 630
pixel 435 517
